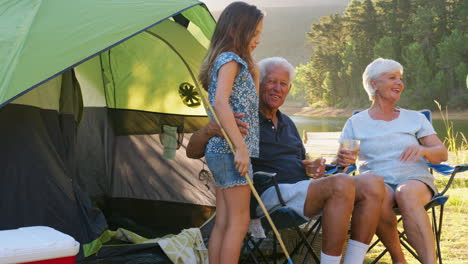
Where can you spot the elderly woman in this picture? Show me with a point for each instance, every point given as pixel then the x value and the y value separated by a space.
pixel 396 144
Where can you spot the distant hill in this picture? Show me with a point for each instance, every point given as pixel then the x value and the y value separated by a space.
pixel 284 28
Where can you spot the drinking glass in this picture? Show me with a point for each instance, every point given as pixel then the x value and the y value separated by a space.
pixel 352 145
pixel 311 169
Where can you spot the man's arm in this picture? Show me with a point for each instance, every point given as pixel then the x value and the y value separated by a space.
pixel 197 143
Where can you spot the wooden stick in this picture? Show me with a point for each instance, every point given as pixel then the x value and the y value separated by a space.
pixel 249 181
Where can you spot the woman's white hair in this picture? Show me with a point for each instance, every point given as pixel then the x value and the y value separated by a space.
pixel 267 64
pixel 374 70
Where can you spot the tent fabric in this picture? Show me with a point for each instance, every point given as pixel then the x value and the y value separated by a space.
pixel 69 32
pixel 85 88
pixel 128 69
pixel 40 191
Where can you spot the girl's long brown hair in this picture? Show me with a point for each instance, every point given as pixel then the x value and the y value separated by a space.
pixel 235 28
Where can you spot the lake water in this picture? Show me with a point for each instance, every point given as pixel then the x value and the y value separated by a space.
pixel 332 124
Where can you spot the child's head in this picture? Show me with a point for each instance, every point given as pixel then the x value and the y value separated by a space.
pixel 236 27
pixel 236 31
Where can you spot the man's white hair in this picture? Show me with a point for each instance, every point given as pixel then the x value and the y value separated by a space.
pixel 268 64
pixel 374 70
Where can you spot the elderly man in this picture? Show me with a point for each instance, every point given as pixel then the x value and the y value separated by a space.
pixel 282 151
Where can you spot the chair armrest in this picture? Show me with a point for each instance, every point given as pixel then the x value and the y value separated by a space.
pixel 262 177
pixel 331 169
pixel 446 170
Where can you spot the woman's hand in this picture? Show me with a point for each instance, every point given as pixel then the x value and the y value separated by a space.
pixel 412 153
pixel 242 160
pixel 346 158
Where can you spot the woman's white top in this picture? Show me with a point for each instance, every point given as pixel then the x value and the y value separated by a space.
pixel 382 143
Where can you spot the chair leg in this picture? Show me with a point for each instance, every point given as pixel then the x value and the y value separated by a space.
pixel 254 251
pixel 410 249
pixel 304 240
pixel 380 255
pixel 438 230
pixel 274 249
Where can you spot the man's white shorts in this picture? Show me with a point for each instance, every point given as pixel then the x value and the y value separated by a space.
pixel 294 195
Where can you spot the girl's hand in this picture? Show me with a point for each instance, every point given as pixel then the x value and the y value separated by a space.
pixel 412 153
pixel 346 158
pixel 242 161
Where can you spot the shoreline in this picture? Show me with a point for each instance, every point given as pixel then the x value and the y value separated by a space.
pixel 308 111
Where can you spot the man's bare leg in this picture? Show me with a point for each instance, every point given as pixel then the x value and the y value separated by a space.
pixel 334 197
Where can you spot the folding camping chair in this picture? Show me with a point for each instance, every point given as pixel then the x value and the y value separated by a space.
pixel 437 201
pixel 284 217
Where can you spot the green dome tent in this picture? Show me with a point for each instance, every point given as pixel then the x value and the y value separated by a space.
pixel 98 100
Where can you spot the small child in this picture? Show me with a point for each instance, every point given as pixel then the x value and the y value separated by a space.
pixel 231 77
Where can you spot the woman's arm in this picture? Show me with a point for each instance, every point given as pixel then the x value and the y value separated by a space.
pixel 226 76
pixel 431 148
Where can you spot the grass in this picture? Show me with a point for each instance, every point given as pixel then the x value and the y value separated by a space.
pixel 455 141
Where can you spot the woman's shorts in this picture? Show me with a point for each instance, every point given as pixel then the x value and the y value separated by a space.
pixel 429 183
pixel 224 171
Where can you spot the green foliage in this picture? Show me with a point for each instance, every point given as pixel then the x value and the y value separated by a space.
pixel 427 36
pixel 453 139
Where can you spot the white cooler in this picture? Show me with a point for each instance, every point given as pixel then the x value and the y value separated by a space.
pixel 37 244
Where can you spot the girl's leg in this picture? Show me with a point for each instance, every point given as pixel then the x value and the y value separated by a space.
pixel 387 228
pixel 411 196
pixel 217 234
pixel 237 200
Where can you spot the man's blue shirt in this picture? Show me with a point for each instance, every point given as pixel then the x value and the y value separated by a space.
pixel 281 150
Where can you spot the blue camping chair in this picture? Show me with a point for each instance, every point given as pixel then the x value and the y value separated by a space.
pixel 437 202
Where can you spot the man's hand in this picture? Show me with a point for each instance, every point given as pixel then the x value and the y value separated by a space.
pixel 346 158
pixel 212 128
pixel 315 168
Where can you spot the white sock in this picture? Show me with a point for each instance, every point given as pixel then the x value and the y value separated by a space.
pixel 355 252
pixel 327 259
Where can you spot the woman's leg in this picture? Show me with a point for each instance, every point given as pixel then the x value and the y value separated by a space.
pixel 217 234
pixel 387 228
pixel 411 196
pixel 237 200
pixel 370 190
